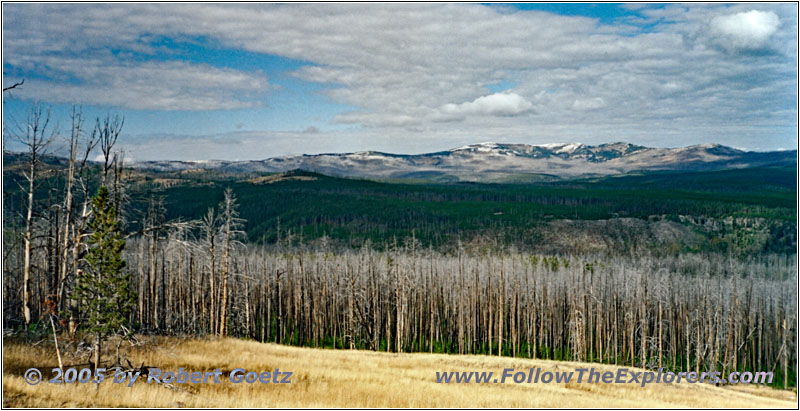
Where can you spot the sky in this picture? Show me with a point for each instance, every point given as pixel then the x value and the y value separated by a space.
pixel 252 81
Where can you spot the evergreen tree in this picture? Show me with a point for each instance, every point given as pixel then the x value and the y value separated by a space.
pixel 103 288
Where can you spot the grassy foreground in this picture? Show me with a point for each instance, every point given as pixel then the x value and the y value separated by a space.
pixel 328 378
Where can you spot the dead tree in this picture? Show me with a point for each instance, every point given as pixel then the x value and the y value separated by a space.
pixel 36 135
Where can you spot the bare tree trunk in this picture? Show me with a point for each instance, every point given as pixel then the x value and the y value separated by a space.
pixel 77 121
pixel 33 135
pixel 97 358
pixel 26 276
pixel 55 341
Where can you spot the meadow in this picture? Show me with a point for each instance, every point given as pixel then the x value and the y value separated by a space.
pixel 344 378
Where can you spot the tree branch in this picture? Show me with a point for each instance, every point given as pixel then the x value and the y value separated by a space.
pixel 15 85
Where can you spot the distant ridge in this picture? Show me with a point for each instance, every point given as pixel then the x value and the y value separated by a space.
pixel 499 161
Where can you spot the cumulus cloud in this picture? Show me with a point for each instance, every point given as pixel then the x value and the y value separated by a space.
pixel 497 104
pixel 749 30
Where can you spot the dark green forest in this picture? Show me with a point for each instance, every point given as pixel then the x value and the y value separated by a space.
pixel 743 211
pixel 309 206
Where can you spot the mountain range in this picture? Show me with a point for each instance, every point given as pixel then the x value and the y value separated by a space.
pixel 500 162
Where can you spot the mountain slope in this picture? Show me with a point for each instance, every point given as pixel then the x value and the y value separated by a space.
pixel 496 162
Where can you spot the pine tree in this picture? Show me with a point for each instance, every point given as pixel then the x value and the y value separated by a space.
pixel 103 289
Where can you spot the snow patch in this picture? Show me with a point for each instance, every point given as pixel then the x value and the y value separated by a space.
pixel 569 148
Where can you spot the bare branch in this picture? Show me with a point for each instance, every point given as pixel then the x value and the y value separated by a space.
pixel 13 86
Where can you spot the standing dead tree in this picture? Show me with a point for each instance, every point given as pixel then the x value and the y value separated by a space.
pixel 36 134
pixel 107 132
pixel 231 231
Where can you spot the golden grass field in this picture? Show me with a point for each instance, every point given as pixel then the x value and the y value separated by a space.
pixel 336 378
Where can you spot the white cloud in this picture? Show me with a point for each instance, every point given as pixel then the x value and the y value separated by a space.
pixel 69 49
pixel 589 103
pixel 747 30
pixel 148 85
pixel 376 120
pixel 498 104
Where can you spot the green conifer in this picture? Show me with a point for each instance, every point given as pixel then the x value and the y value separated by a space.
pixel 104 289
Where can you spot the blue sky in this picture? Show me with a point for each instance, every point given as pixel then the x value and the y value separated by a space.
pixel 607 13
pixel 250 81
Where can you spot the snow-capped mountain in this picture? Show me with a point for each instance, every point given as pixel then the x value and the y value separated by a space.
pixel 496 161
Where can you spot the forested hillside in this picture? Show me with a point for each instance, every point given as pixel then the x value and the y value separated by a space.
pixel 740 212
pixel 730 211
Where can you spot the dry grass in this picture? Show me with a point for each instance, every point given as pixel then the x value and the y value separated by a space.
pixel 328 378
